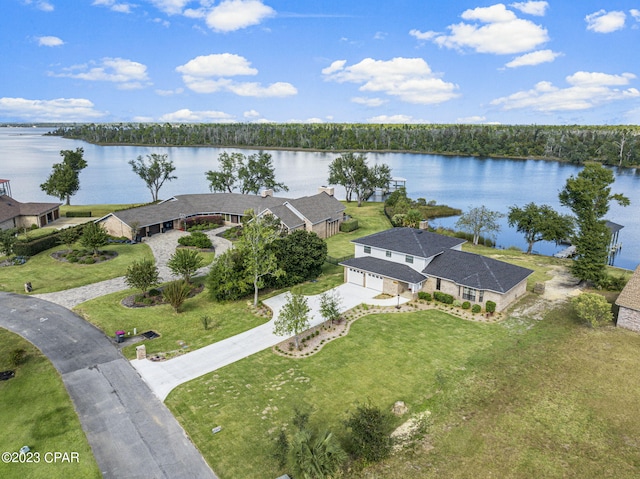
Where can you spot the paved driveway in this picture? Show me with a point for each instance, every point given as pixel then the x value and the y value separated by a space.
pixel 163 377
pixel 131 432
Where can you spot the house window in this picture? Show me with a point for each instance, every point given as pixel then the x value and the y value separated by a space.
pixel 388 254
pixel 408 259
pixel 367 249
pixel 469 294
pixel 481 297
pixel 438 284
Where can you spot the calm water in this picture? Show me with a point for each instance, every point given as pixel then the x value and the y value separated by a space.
pixel 26 158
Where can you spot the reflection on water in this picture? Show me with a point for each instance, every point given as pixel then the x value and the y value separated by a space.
pixel 26 158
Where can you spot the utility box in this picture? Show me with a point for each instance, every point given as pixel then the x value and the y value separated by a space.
pixel 141 352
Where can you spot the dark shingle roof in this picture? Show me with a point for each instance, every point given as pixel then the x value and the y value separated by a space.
pixel 10 208
pixel 410 241
pixel 389 269
pixel 476 271
pixel 318 208
pixel 287 217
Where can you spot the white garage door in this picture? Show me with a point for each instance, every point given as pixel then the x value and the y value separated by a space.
pixel 355 277
pixel 374 282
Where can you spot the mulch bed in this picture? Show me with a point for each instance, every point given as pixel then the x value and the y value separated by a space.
pixel 132 300
pixel 83 256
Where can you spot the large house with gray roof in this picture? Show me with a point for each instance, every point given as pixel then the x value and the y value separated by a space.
pixel 14 214
pixel 629 304
pixel 402 260
pixel 321 213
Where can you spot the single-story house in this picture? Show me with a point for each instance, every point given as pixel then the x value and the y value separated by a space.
pixel 321 213
pixel 411 260
pixel 14 214
pixel 629 304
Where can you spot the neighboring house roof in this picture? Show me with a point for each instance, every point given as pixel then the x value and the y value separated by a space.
pixel 228 203
pixel 389 269
pixel 476 271
pixel 287 217
pixel 410 241
pixel 630 295
pixel 10 208
pixel 318 208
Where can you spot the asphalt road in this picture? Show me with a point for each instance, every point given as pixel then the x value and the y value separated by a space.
pixel 131 432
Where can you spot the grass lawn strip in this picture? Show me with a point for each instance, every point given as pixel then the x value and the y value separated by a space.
pixel 38 412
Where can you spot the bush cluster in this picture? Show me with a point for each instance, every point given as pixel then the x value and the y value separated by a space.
pixel 490 307
pixel 197 239
pixel 204 222
pixel 349 226
pixel 443 297
pixel 476 308
pixel 466 305
pixel 78 214
pixel 423 295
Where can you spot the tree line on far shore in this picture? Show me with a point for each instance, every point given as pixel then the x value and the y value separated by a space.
pixel 610 145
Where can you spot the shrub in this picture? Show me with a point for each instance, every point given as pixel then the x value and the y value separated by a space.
pixel 476 308
pixel 17 357
pixel 443 297
pixel 348 226
pixel 592 308
pixel 423 295
pixel 490 307
pixel 176 293
pixel 457 303
pixel 466 305
pixel 370 430
pixel 197 239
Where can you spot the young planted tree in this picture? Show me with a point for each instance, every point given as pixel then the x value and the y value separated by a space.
pixel 94 236
pixel 540 223
pixel 589 196
pixel 176 293
pixel 142 275
pixel 258 234
pixel 330 305
pixel 69 236
pixel 7 241
pixel 479 220
pixel 293 317
pixel 185 262
pixel 370 433
pixel 248 174
pixel 154 172
pixel 64 180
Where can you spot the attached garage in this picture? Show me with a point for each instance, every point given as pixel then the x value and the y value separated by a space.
pixel 374 282
pixel 355 277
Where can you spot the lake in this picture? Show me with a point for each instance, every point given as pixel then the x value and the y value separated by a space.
pixel 26 158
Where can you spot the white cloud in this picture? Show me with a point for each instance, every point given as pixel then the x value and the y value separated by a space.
pixel 491 29
pixel 170 7
pixel 59 109
pixel 186 115
pixel 233 15
pixel 251 114
pixel 43 5
pixel 586 90
pixel 538 9
pixel 605 22
pixel 380 35
pixel 210 74
pixel 373 102
pixel 49 41
pixel 533 58
pixel 177 91
pixel 472 119
pixel 395 119
pixel 409 79
pixel 635 14
pixel 129 75
pixel 114 5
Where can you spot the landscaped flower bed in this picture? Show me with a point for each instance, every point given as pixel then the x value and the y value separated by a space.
pixel 83 256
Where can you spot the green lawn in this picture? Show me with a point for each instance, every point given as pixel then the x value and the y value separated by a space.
pixel 186 327
pixel 385 358
pixel 96 210
pixel 47 274
pixel 37 412
pixel 371 219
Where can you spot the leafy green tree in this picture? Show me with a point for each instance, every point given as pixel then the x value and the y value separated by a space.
pixel 227 279
pixel 185 262
pixel 248 174
pixel 142 275
pixel 301 255
pixel 352 172
pixel 7 241
pixel 479 220
pixel 258 235
pixel 592 308
pixel 293 317
pixel 94 236
pixel 370 433
pixel 154 172
pixel 588 195
pixel 330 304
pixel 176 293
pixel 69 236
pixel 64 180
pixel 540 223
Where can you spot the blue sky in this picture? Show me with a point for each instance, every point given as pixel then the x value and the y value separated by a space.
pixel 401 61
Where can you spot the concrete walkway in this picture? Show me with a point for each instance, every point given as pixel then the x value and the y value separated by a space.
pixel 132 434
pixel 163 376
pixel 162 246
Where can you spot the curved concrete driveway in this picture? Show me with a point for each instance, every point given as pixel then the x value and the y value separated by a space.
pixel 131 432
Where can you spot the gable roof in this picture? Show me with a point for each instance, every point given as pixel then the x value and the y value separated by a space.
pixel 318 208
pixel 630 295
pixel 410 241
pixel 476 271
pixel 389 269
pixel 10 208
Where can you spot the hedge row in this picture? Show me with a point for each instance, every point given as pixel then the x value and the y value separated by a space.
pixel 349 226
pixel 33 247
pixel 78 214
pixel 443 297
